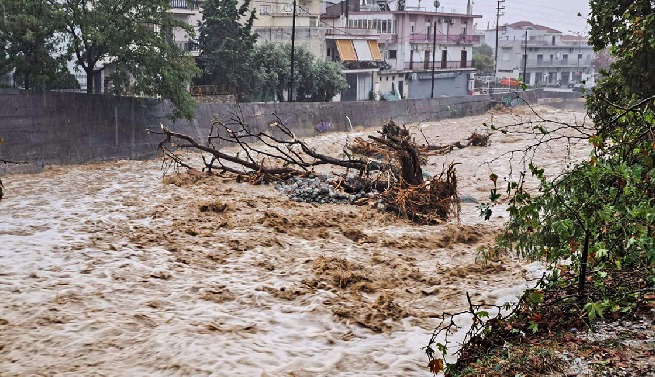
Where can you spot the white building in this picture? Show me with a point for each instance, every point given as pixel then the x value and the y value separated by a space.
pixel 553 59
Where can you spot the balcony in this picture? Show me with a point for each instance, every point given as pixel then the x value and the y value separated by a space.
pixel 287 10
pixel 184 4
pixel 351 32
pixel 438 65
pixel 188 46
pixel 571 62
pixel 456 38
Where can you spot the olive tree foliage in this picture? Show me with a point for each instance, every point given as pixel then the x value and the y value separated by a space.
pixel 28 42
pixel 315 79
pixel 600 213
pixel 133 40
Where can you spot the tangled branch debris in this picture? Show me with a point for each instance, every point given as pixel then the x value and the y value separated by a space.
pixel 389 166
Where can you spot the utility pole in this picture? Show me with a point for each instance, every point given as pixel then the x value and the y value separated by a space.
pixel 579 34
pixel 293 48
pixel 434 48
pixel 525 60
pixel 498 9
pixel 579 42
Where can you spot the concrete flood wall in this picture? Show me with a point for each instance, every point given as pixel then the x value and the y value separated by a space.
pixel 534 96
pixel 67 128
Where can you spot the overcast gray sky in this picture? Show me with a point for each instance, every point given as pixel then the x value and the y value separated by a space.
pixel 558 14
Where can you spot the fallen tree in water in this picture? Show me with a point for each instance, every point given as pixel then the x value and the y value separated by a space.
pixel 389 165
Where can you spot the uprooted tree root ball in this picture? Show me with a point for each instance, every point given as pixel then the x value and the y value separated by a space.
pixel 386 170
pixel 430 202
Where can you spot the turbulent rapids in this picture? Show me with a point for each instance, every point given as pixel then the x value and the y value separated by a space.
pixel 111 269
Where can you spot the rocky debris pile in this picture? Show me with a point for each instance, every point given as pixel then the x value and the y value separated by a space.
pixel 320 189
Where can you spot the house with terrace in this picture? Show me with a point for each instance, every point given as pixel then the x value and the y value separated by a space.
pixel 390 49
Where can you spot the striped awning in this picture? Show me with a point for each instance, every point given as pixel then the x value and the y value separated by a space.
pixel 358 50
pixel 346 50
pixel 362 50
pixel 375 50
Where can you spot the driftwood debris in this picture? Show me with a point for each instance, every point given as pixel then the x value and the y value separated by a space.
pixel 476 140
pixel 390 164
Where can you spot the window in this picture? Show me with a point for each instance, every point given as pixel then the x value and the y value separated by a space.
pixel 565 57
pixel 428 28
pixel 392 54
pixel 579 56
pixel 265 9
pixel 412 27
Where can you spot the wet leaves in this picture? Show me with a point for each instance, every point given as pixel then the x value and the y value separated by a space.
pixel 436 366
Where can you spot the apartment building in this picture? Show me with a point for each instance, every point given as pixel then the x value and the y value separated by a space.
pixel 388 47
pixel 275 18
pixel 273 23
pixel 550 57
pixel 187 11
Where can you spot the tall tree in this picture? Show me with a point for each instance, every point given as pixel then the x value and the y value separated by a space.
pixel 133 38
pixel 226 44
pixel 28 42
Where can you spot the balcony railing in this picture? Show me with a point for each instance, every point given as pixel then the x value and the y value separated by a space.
pixel 453 38
pixel 187 45
pixel 571 62
pixel 184 4
pixel 351 32
pixel 438 65
pixel 287 10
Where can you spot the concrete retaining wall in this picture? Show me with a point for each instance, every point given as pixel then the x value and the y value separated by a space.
pixel 68 128
pixel 533 96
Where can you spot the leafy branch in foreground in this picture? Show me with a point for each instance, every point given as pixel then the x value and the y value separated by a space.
pixel 548 309
pixel 597 216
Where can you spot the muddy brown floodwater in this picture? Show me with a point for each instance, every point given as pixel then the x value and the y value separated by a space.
pixel 107 269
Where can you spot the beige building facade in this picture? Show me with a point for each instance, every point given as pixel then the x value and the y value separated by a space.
pixel 273 24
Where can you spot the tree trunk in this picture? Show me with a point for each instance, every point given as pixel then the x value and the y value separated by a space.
pixel 583 270
pixel 89 80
